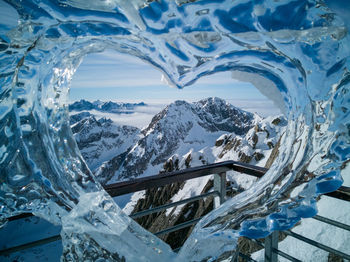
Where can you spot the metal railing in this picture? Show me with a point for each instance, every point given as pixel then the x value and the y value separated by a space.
pixel 117 189
pixel 219 192
pixel 271 242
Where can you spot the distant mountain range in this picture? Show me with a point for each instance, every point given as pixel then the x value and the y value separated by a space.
pixel 110 107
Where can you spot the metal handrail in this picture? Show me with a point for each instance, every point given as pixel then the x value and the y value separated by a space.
pixel 159 180
pixel 317 244
pixel 162 179
pixel 271 248
pixel 39 242
pixel 332 222
pixel 218 169
pixel 178 227
pixel 173 204
pixel 342 193
pixel 285 255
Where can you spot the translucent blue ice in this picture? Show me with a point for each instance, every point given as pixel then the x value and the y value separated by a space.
pixel 295 52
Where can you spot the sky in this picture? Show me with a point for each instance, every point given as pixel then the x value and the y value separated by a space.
pixel 123 78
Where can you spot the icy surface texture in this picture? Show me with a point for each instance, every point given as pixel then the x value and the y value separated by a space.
pixel 299 48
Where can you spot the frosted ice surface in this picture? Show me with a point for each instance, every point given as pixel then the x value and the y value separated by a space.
pixel 299 48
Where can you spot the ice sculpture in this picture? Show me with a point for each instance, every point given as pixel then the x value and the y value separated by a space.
pixel 300 48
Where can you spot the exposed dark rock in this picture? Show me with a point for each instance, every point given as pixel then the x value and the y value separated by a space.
pixel 258 156
pixel 230 143
pixel 201 158
pixel 247 246
pixel 276 121
pixel 188 161
pixel 334 258
pixel 171 165
pixel 219 142
pixel 244 158
pixel 157 197
pixel 188 212
pixel 255 140
pixel 267 133
pixel 270 145
pixel 257 129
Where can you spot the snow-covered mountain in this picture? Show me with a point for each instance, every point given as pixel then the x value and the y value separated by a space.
pixel 258 146
pixel 207 131
pixel 185 135
pixel 193 138
pixel 101 140
pixel 110 107
pixel 177 129
pixel 182 135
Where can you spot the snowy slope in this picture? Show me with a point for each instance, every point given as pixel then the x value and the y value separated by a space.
pixel 254 147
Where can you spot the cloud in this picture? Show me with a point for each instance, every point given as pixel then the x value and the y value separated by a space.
pixel 141 117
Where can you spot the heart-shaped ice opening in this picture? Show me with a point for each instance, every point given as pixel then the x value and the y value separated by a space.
pixel 294 52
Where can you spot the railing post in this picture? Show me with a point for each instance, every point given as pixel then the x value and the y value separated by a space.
pixel 271 243
pixel 220 186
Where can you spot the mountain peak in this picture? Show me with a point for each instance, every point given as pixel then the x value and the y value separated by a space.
pixel 212 100
pixel 219 102
pixel 213 114
pixel 217 114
